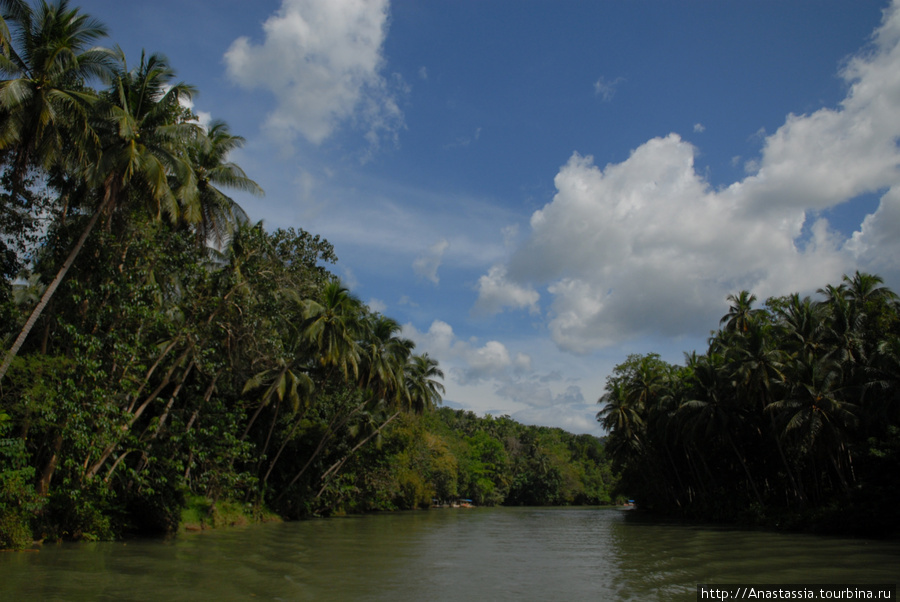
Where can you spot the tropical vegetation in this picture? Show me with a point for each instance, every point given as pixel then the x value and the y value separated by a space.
pixel 162 352
pixel 791 418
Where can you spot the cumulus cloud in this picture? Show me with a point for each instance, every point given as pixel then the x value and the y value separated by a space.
pixel 426 265
pixel 490 378
pixel 469 362
pixel 646 246
pixel 496 292
pixel 322 60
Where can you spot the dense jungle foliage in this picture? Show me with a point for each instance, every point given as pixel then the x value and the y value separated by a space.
pixel 790 419
pixel 159 347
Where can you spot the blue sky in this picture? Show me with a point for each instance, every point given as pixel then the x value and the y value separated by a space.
pixel 536 189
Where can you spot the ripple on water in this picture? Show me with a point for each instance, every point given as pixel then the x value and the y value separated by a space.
pixel 496 554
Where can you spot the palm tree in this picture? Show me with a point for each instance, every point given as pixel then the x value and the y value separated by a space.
pixel 862 288
pixel 757 367
pixel 815 412
pixel 44 103
pixel 12 11
pixel 874 305
pixel 139 154
pixel 622 420
pixel 740 313
pixel 712 413
pixel 383 357
pixel 803 324
pixel 282 381
pixel 218 212
pixel 332 327
pixel 423 391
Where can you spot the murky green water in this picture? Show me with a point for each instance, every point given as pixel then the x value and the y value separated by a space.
pixel 452 554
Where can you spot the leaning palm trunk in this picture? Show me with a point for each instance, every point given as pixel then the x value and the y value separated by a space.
pixel 284 444
pixel 329 433
pixel 336 467
pixel 125 428
pixel 48 294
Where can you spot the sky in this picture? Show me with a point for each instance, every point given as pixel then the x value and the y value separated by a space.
pixel 537 189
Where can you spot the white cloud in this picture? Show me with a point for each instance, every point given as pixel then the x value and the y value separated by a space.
pixel 489 378
pixel 647 247
pixel 468 363
pixel 699 128
pixel 426 265
pixel 349 279
pixel 607 89
pixel 878 238
pixel 574 419
pixel 322 59
pixel 377 305
pixel 510 234
pixel 496 292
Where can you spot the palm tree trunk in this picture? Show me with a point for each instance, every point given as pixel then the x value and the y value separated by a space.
pixel 50 467
pixel 340 463
pixel 134 417
pixel 329 433
pixel 795 484
pixel 39 308
pixel 262 454
pixel 284 443
pixel 206 396
pixel 160 426
pixel 740 457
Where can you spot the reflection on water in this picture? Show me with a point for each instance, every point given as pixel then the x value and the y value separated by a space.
pixel 667 560
pixel 452 554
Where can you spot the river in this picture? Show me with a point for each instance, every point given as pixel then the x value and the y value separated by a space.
pixel 449 554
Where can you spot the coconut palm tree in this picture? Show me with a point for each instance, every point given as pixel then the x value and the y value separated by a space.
pixel 802 324
pixel 44 102
pixel 815 413
pixel 332 326
pixel 383 357
pixel 740 313
pixel 208 155
pixel 138 155
pixel 623 420
pixel 423 391
pixel 11 11
pixel 862 287
pixel 712 414
pixel 282 381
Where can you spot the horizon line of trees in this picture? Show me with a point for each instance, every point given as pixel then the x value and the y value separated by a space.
pixel 791 417
pixel 449 455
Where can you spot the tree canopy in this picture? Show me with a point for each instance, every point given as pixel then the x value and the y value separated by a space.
pixel 791 417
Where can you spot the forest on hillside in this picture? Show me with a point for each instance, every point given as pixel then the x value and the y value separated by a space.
pixel 790 419
pixel 162 351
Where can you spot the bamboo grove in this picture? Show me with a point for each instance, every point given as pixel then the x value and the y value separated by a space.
pixel 160 348
pixel 791 418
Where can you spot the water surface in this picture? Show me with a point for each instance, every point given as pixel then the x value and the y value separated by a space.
pixel 450 554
